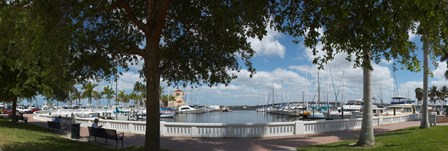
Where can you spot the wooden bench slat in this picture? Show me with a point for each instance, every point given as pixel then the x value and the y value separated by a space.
pixel 106 134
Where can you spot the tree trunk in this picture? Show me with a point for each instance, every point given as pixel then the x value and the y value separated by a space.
pixel 425 117
pixel 366 136
pixel 14 110
pixel 152 75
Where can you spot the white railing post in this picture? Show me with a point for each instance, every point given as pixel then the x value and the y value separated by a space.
pixel 244 129
pixel 107 125
pixel 131 128
pixel 266 130
pixel 194 131
pixel 299 127
pixel 162 128
pixel 380 120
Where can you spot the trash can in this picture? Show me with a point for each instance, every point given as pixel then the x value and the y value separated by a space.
pixel 75 130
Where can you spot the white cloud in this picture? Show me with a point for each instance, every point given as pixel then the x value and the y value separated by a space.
pixel 344 72
pixel 127 80
pixel 407 89
pixel 385 62
pixel 439 72
pixel 138 66
pixel 269 45
pixel 412 35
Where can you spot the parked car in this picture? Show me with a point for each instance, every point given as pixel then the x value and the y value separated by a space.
pixel 24 110
pixel 34 109
pixel 7 111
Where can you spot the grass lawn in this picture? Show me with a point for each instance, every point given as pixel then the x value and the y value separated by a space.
pixel 21 137
pixel 433 139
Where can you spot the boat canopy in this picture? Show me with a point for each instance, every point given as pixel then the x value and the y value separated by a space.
pixel 401 100
pixel 166 109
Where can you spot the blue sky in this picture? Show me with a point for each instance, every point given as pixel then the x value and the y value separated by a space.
pixel 286 69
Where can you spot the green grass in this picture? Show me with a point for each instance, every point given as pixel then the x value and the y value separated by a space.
pixel 433 139
pixel 19 137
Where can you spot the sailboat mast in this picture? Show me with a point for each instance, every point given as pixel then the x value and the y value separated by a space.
pixel 342 97
pixel 381 94
pixel 116 89
pixel 318 87
pixel 306 87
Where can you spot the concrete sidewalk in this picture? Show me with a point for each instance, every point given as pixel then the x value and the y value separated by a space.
pixel 242 144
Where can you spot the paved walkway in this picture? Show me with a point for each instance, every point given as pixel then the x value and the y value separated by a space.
pixel 240 144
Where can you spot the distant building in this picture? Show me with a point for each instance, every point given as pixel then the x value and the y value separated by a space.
pixel 178 99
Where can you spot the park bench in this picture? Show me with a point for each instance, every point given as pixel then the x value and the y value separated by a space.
pixel 54 125
pixel 22 118
pixel 106 134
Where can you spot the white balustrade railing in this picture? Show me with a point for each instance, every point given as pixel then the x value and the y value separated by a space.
pixel 243 129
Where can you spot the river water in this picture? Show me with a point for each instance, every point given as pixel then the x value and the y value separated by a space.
pixel 235 116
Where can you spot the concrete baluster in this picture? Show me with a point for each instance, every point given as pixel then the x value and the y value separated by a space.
pixel 299 127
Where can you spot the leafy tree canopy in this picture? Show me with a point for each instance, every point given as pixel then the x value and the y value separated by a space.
pixel 190 50
pixel 379 27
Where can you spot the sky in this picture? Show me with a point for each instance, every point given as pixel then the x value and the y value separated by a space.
pixel 285 69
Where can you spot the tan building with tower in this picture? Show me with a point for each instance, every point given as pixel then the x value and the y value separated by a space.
pixel 178 99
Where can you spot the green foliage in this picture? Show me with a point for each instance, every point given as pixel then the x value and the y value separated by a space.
pixel 433 25
pixel 438 94
pixel 419 94
pixel 190 51
pixel 166 98
pixel 109 94
pixel 195 52
pixel 123 97
pixel 433 94
pixel 196 42
pixel 76 95
pixel 88 91
pixel 379 27
pixel 407 139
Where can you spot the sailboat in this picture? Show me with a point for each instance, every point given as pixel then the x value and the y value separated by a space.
pixel 167 113
pixel 316 111
pixel 265 108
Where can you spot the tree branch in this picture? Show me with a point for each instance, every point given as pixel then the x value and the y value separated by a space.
pixel 159 23
pixel 123 50
pixel 131 16
pixel 94 12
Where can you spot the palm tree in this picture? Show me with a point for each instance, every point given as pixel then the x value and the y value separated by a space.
pixel 122 97
pixel 109 94
pixel 443 94
pixel 140 90
pixel 76 95
pixel 166 98
pixel 432 94
pixel 419 95
pixel 88 91
pixel 134 97
pixel 98 96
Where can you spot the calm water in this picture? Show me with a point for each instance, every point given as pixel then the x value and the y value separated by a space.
pixel 230 117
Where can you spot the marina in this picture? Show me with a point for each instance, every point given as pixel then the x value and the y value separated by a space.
pixel 244 129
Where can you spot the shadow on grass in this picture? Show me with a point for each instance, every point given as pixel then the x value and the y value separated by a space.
pixel 57 143
pixel 6 123
pixel 51 143
pixel 346 145
pixel 325 147
pixel 400 132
